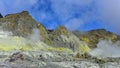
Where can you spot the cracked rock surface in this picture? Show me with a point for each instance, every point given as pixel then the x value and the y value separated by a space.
pixel 49 60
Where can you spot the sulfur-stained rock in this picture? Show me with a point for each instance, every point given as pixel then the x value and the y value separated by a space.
pixel 66 39
pixel 94 36
pixel 22 24
pixel 45 35
pixel 61 30
pixel 65 45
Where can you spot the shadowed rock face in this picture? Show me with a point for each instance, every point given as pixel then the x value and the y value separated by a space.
pixel 1 15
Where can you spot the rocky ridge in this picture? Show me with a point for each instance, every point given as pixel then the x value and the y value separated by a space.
pixel 58 48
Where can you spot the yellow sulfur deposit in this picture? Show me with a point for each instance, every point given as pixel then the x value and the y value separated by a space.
pixel 113 37
pixel 81 45
pixel 60 49
pixel 85 39
pixel 12 43
pixel 84 48
pixel 20 43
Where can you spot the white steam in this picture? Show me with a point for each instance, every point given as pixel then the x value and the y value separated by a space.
pixel 106 48
pixel 35 36
pixel 32 42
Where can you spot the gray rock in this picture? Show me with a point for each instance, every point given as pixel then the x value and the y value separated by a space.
pixel 42 59
pixel 111 65
pixel 78 64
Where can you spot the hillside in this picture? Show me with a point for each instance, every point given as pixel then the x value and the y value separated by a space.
pixel 26 41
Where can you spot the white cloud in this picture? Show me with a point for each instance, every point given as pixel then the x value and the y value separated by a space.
pixel 106 10
pixel 79 2
pixel 73 24
pixel 32 2
pixel 66 11
pixel 2 8
pixel 109 11
pixel 14 6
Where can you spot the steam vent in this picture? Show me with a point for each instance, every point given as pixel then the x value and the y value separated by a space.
pixel 26 43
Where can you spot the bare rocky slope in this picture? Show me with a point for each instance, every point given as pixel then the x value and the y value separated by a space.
pixel 59 48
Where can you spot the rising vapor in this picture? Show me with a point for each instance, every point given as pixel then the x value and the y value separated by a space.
pixel 106 48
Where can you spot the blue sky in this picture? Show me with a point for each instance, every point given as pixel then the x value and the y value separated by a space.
pixel 80 15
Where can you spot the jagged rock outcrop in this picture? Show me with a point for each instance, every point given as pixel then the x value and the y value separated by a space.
pixel 57 39
pixel 61 30
pixel 22 24
pixel 63 38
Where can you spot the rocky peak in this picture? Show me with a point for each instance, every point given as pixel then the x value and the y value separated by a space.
pixel 61 30
pixel 23 13
pixel 22 24
pixel 103 34
pixel 94 36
